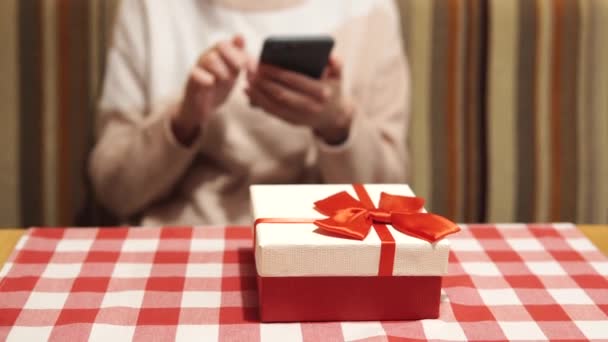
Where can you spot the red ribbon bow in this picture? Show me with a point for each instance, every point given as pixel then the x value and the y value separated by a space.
pixel 349 217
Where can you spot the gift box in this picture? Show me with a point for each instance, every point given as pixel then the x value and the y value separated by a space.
pixel 347 253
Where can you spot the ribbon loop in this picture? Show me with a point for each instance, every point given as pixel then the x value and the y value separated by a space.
pixel 342 200
pixel 390 202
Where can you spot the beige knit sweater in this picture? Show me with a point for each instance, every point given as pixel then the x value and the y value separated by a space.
pixel 146 177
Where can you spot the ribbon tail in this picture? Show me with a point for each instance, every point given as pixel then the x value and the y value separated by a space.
pixel 429 227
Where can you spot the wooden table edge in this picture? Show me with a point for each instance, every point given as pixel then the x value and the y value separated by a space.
pixel 8 240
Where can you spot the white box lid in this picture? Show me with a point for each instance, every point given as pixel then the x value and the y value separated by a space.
pixel 291 250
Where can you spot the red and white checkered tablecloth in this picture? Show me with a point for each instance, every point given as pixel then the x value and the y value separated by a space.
pixel 505 282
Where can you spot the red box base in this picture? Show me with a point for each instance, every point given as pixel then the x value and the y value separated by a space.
pixel 300 299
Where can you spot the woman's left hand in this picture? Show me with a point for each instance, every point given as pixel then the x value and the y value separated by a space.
pixel 302 100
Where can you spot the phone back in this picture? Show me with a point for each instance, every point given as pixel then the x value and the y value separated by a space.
pixel 304 54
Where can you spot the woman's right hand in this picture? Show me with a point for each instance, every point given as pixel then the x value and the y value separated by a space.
pixel 209 85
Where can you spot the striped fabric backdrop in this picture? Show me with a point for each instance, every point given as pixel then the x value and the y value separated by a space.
pixel 510 108
pixel 509 113
pixel 56 53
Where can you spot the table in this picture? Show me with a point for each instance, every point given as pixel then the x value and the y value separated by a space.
pixel 508 281
pixel 598 234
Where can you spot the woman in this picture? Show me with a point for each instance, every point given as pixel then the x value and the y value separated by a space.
pixel 187 120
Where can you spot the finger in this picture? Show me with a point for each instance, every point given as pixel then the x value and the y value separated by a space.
pixel 234 57
pixel 305 84
pixel 258 98
pixel 214 64
pixel 201 77
pixel 239 41
pixel 286 97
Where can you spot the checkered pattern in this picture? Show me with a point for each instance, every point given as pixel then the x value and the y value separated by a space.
pixel 506 282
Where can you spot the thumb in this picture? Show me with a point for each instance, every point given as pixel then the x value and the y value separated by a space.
pixel 334 67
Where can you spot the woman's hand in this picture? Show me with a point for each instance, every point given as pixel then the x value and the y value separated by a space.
pixel 302 100
pixel 209 84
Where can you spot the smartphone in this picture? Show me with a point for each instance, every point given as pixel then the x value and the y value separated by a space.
pixel 307 55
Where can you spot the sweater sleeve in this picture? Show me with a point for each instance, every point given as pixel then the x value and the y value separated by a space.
pixel 375 151
pixel 136 159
